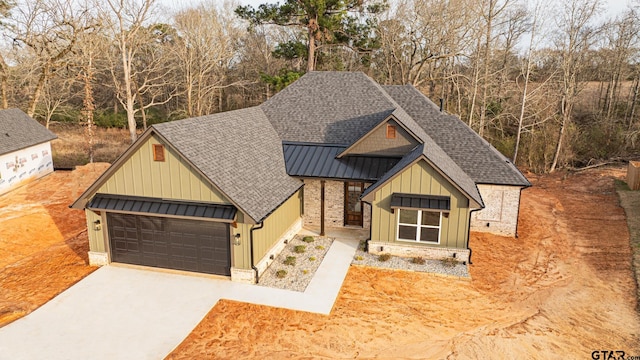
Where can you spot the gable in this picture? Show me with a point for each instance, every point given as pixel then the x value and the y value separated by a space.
pixel 474 155
pixel 389 138
pixel 173 178
pixel 422 179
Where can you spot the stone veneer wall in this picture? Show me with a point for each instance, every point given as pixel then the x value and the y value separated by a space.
pixel 410 250
pixel 500 215
pixel 334 204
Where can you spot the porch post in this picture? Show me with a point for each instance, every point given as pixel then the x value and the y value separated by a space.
pixel 321 207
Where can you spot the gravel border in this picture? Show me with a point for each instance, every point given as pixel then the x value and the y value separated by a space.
pixel 401 263
pixel 299 275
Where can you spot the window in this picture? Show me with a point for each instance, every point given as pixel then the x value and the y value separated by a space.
pixel 419 225
pixel 391 131
pixel 158 152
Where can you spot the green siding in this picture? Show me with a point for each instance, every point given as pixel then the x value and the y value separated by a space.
pixel 173 178
pixel 275 225
pixel 376 143
pixel 421 178
pixel 96 237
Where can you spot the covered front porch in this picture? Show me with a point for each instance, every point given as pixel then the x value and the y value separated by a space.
pixel 334 205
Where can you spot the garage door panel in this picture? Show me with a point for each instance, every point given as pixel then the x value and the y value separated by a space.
pixel 170 243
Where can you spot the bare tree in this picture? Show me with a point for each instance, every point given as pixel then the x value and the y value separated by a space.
pixel 50 30
pixel 535 23
pixel 206 49
pixel 124 21
pixel 575 38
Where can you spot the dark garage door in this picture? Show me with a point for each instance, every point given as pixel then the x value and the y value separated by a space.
pixel 200 246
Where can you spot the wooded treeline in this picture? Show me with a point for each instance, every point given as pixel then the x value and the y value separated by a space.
pixel 549 84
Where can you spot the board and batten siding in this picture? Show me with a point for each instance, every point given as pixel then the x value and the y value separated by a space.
pixel 140 175
pixel 377 144
pixel 421 178
pixel 96 236
pixel 173 178
pixel 274 227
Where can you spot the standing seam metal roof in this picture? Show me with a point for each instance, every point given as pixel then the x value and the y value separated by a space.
pixel 19 131
pixel 318 160
pixel 155 206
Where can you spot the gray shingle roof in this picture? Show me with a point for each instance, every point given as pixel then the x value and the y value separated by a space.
pixel 483 163
pixel 351 105
pixel 19 131
pixel 240 152
pixel 328 107
pixel 313 160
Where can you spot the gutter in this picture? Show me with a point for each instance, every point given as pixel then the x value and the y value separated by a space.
pixel 253 228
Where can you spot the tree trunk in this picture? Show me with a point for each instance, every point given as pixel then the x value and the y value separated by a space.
pixel 565 117
pixel 89 106
pixel 633 102
pixel 311 61
pixel 4 80
pixel 129 96
pixel 38 90
pixel 526 86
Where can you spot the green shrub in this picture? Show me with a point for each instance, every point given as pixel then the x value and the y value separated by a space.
pixel 313 258
pixel 299 249
pixel 359 258
pixel 319 247
pixel 384 257
pixel 108 119
pixel 290 260
pixel 308 239
pixel 449 262
pixel 281 273
pixel 418 260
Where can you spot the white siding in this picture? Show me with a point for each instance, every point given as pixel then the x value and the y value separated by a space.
pixel 21 166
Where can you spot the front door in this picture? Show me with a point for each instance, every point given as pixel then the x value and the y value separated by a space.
pixel 352 203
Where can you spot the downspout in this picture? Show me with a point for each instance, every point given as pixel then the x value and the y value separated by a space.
pixel 469 234
pixel 321 207
pixel 253 228
pixel 518 212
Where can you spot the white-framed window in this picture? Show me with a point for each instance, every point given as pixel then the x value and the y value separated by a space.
pixel 418 225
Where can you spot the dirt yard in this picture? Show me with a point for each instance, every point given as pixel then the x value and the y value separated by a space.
pixel 564 288
pixel 43 243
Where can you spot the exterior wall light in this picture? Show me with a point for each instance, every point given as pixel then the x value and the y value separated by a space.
pixel 97 225
pixel 236 240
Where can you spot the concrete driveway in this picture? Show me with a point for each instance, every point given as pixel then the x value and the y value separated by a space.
pixel 123 313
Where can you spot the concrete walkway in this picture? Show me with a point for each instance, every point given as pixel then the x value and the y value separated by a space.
pixel 123 313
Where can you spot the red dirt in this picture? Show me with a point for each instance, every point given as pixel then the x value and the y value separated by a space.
pixel 43 243
pixel 564 288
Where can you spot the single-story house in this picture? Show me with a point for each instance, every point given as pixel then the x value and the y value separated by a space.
pixel 25 149
pixel 222 193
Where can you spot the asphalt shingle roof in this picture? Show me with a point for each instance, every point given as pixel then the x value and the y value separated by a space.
pixel 240 152
pixel 328 107
pixel 474 155
pixel 19 131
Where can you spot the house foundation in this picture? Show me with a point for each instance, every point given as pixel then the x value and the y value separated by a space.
pixel 407 250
